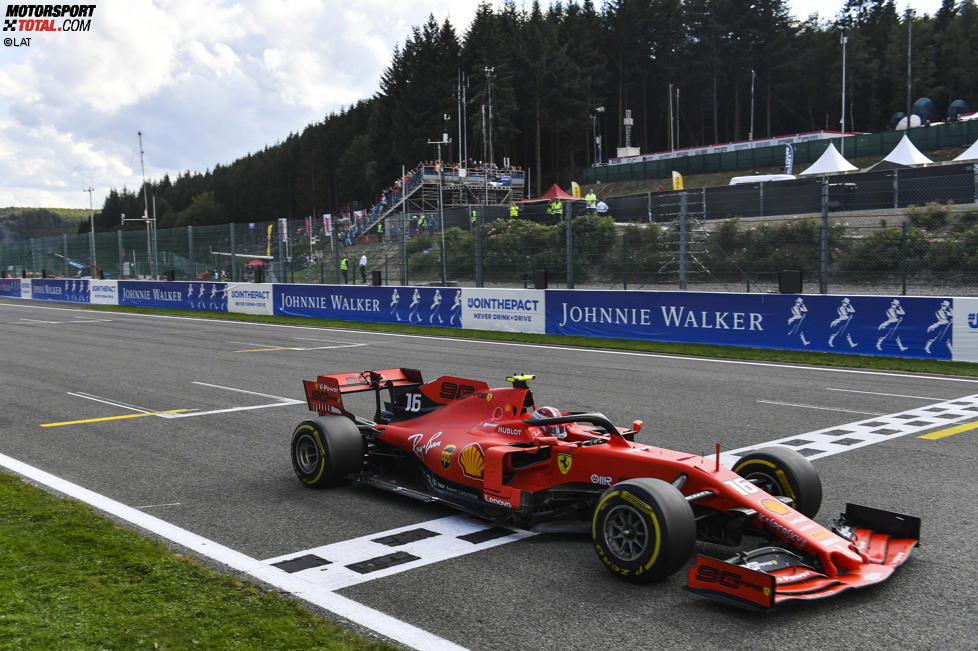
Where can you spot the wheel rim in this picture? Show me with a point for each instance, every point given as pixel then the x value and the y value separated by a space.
pixel 626 532
pixel 307 455
pixel 765 482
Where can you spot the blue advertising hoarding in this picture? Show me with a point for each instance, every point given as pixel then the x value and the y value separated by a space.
pixel 212 297
pixel 889 326
pixel 862 325
pixel 438 306
pixel 10 287
pixel 60 289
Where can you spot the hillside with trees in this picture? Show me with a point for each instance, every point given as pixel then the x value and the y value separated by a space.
pixel 552 67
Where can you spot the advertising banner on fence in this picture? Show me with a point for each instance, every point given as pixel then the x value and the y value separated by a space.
pixel 862 325
pixel 104 292
pixel 59 289
pixel 212 297
pixel 10 287
pixel 410 305
pixel 512 310
pixel 250 298
pixel 965 330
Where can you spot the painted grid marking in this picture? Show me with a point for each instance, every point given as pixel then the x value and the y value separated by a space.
pixel 370 557
pixel 362 614
pixel 826 442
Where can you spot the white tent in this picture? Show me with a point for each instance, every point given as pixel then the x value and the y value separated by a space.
pixel 902 124
pixel 829 162
pixel 903 154
pixel 971 153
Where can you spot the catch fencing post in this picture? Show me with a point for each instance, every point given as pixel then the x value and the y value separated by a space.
pixel 404 226
pixel 190 252
pixel 903 258
pixel 337 243
pixel 568 218
pixel 477 232
pixel 526 263
pixel 64 243
pixel 233 249
pixel 823 275
pixel 747 256
pixel 682 240
pixel 624 261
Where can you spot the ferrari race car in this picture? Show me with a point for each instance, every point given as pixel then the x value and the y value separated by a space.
pixel 493 453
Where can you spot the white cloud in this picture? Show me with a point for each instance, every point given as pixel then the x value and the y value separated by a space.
pixel 802 9
pixel 206 81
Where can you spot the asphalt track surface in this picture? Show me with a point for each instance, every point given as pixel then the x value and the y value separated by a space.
pixel 221 471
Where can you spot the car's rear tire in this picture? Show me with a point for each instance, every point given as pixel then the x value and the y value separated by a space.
pixel 643 529
pixel 784 472
pixel 326 450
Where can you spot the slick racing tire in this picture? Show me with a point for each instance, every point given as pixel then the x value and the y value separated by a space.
pixel 326 450
pixel 643 530
pixel 783 472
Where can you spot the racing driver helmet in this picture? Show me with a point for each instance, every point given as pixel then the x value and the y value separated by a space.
pixel 558 431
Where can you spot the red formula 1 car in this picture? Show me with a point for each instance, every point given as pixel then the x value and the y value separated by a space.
pixel 495 454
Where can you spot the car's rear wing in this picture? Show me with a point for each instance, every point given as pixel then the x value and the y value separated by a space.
pixel 324 396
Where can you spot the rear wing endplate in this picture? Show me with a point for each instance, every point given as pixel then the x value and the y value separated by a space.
pixel 324 396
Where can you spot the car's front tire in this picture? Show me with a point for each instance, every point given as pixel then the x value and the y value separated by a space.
pixel 643 529
pixel 326 451
pixel 784 472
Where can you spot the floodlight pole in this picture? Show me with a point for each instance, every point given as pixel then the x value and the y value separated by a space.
pixel 597 138
pixel 753 76
pixel 672 142
pixel 149 242
pixel 91 234
pixel 842 140
pixel 489 71
pixel 909 60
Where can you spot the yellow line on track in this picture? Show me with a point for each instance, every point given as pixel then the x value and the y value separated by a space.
pixel 98 420
pixel 950 431
pixel 258 350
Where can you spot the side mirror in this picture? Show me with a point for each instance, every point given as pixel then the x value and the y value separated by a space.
pixel 637 425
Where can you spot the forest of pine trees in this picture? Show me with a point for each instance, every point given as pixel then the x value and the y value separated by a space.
pixel 553 66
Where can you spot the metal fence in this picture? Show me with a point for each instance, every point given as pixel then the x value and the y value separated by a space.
pixel 874 190
pixel 952 134
pixel 897 241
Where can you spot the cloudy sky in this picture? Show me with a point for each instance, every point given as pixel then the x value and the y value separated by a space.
pixel 206 81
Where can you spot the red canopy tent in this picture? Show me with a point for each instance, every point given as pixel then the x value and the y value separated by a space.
pixel 553 193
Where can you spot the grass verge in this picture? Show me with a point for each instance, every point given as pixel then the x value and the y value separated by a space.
pixel 75 580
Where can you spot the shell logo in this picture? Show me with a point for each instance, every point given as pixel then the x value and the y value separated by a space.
pixel 472 460
pixel 775 506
